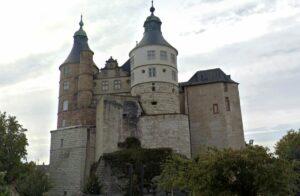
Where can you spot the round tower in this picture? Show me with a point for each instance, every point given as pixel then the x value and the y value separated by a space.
pixel 154 70
pixel 76 84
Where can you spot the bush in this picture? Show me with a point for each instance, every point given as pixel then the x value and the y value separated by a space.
pixel 93 186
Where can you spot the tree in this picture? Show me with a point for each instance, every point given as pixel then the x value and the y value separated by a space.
pixel 33 181
pixel 4 191
pixel 250 171
pixel 13 144
pixel 289 146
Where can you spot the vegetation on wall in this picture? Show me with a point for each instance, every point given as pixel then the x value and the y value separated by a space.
pixel 93 185
pixel 145 162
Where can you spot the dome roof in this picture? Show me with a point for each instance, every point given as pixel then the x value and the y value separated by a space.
pixel 153 34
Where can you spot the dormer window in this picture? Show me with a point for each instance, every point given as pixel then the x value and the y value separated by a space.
pixel 163 55
pixel 151 54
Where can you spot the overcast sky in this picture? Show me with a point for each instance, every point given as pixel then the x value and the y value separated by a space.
pixel 257 42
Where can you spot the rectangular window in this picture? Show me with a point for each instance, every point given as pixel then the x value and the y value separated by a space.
pixel 66 85
pixel 151 54
pixel 215 108
pixel 66 70
pixel 152 72
pixel 117 84
pixel 225 87
pixel 227 103
pixel 65 105
pixel 61 143
pixel 163 55
pixel 174 76
pixel 173 59
pixel 105 86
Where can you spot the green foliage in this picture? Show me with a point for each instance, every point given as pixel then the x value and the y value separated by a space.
pixel 250 171
pixel 93 185
pixel 13 144
pixel 33 181
pixel 130 142
pixel 4 191
pixel 289 146
pixel 149 159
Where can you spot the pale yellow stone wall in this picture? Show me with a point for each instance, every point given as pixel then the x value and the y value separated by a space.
pixel 221 130
pixel 166 131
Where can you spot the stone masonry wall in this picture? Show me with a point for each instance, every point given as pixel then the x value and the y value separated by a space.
pixel 223 129
pixel 71 155
pixel 171 131
pixel 117 118
pixel 163 100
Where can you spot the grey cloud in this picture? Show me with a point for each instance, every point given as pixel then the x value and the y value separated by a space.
pixel 30 66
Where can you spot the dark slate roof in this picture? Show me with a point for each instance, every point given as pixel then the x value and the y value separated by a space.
pixel 80 44
pixel 153 34
pixel 208 76
pixel 126 66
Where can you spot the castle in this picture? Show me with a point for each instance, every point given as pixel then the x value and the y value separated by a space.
pixel 99 108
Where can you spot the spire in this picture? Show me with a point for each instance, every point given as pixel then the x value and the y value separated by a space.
pixel 152 9
pixel 80 32
pixel 81 23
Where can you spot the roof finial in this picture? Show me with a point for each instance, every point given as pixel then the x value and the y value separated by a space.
pixel 152 9
pixel 81 23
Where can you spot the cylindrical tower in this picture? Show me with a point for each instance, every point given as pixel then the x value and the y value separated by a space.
pixel 154 70
pixel 76 84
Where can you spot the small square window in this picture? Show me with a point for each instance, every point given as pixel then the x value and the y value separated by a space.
pixel 152 72
pixel 215 108
pixel 164 70
pixel 151 54
pixel 143 71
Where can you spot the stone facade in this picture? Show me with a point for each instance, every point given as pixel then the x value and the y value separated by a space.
pixel 166 131
pixel 71 155
pixel 99 108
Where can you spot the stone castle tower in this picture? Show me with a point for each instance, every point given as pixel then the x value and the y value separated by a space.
pixel 154 70
pixel 99 108
pixel 76 84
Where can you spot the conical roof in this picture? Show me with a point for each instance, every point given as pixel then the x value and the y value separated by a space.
pixel 80 44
